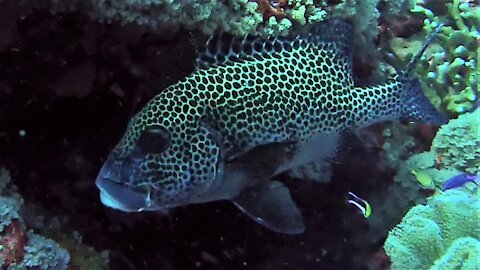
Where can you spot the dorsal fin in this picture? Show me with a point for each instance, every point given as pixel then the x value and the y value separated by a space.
pixel 224 47
pixel 338 31
pixel 409 71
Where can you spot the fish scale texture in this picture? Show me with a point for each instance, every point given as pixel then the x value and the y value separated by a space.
pixel 286 94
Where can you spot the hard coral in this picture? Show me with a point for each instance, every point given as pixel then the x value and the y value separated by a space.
pixel 43 253
pixel 458 143
pixel 455 150
pixel 12 244
pixel 451 74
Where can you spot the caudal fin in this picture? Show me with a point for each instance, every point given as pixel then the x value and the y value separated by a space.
pixel 415 105
pixel 417 108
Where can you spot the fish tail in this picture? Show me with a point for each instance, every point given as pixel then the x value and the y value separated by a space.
pixel 414 105
pixel 401 97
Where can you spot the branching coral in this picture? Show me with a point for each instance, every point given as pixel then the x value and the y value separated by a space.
pixel 42 253
pixel 452 73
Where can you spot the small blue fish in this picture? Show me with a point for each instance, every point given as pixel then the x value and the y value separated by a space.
pixel 476 105
pixel 460 180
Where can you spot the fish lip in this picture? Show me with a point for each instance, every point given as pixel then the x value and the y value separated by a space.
pixel 120 197
pixel 111 202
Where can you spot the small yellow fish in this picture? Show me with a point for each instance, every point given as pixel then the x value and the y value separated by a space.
pixel 423 177
pixel 366 209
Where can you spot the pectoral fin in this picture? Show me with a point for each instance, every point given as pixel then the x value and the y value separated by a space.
pixel 271 205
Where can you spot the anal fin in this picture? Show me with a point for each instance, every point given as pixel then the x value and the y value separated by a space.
pixel 271 205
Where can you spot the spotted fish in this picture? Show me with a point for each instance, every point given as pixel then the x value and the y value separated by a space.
pixel 253 108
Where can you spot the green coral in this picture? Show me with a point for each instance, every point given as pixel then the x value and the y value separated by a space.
pixel 274 26
pixel 440 235
pixel 451 73
pixel 458 143
pixel 424 163
pixel 305 11
pixel 455 150
pixel 461 255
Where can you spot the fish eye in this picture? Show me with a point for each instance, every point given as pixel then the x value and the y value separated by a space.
pixel 154 140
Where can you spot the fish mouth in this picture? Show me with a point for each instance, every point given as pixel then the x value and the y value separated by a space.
pixel 119 196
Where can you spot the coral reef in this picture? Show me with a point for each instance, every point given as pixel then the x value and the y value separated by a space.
pixel 370 17
pixel 21 249
pixel 269 17
pixel 364 15
pixel 462 254
pixel 240 17
pixel 398 144
pixel 82 255
pixel 455 150
pixel 444 233
pixel 451 72
pixel 42 253
pixel 263 17
pixel 440 235
pixel 457 144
